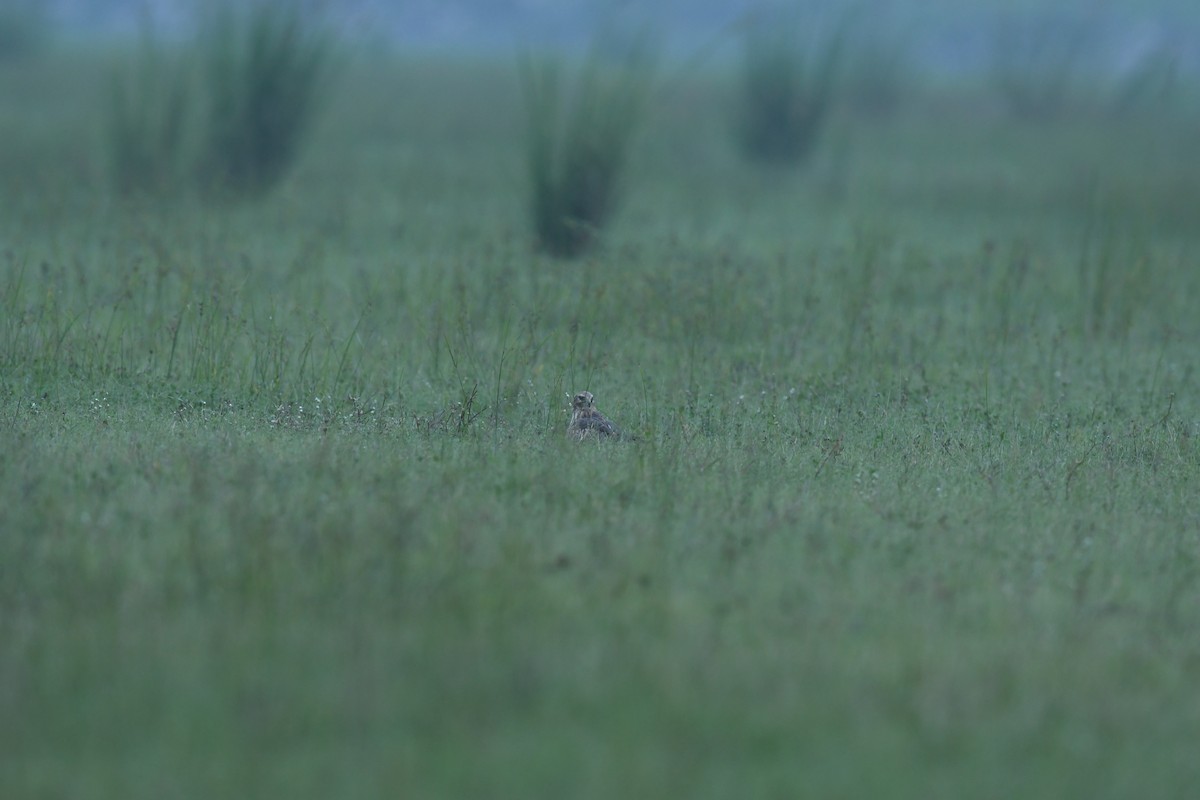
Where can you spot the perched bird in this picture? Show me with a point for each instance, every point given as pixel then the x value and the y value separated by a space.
pixel 587 421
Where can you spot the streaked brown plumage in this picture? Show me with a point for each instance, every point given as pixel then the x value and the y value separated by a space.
pixel 587 422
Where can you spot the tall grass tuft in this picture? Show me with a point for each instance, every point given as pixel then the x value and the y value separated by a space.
pixel 578 140
pixel 788 88
pixel 877 75
pixel 1153 86
pixel 1039 69
pixel 24 28
pixel 263 69
pixel 149 113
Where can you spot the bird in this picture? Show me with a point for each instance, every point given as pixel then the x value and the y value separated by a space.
pixel 586 421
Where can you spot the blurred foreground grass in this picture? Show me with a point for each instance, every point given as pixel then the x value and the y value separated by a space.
pixel 285 508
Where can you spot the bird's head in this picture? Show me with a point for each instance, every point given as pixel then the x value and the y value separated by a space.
pixel 583 401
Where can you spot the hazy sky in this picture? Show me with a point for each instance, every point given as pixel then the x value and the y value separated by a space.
pixel 944 32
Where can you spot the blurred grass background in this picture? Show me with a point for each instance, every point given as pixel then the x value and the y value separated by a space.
pixel 286 509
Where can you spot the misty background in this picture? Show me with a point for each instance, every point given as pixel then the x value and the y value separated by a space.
pixel 941 34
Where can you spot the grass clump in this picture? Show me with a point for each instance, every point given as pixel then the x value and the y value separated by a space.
pixel 24 28
pixel 1152 86
pixel 1038 67
pixel 787 90
pixel 225 113
pixel 578 140
pixel 151 107
pixel 878 75
pixel 263 69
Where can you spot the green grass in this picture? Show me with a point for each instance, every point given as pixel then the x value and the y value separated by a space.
pixel 578 139
pixel 286 508
pixel 24 29
pixel 789 86
pixel 225 113
pixel 149 117
pixel 1045 68
pixel 264 65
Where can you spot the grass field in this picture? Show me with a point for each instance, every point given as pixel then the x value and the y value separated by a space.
pixel 286 509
